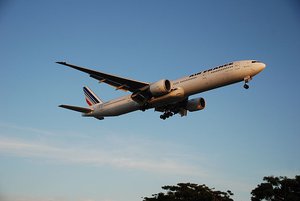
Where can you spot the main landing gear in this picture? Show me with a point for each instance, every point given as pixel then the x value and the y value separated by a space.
pixel 246 80
pixel 166 115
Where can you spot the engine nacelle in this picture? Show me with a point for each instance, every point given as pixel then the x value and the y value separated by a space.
pixel 195 104
pixel 160 88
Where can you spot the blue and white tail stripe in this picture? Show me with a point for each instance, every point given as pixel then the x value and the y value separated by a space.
pixel 90 97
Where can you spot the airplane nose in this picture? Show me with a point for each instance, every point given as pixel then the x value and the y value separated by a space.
pixel 262 66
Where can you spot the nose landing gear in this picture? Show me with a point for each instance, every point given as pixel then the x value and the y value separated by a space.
pixel 246 86
pixel 246 80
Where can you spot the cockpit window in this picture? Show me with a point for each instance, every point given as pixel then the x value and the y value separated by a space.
pixel 255 61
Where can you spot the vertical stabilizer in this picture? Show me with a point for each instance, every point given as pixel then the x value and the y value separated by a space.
pixel 90 97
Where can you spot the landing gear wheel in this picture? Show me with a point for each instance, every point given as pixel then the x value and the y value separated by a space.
pixel 163 117
pixel 246 86
pixel 166 115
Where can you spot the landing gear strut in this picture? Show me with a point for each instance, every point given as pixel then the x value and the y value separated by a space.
pixel 246 80
pixel 166 115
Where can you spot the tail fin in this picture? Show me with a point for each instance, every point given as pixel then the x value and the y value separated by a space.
pixel 90 97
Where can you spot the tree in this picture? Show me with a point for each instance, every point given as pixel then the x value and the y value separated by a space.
pixel 190 192
pixel 277 188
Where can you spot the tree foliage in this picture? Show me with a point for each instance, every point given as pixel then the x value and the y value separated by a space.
pixel 190 192
pixel 277 188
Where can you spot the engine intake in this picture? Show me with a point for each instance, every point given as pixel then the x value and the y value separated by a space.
pixel 195 104
pixel 160 88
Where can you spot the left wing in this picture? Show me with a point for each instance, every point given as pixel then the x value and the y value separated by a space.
pixel 115 81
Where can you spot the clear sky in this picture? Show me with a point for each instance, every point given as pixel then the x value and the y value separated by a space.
pixel 51 154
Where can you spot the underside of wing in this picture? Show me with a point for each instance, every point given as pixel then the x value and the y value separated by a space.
pixel 181 107
pixel 119 83
pixel 174 108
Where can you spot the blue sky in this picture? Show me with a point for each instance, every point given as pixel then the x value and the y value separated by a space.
pixel 51 154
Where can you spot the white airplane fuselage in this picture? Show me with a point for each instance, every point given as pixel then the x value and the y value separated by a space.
pixel 184 87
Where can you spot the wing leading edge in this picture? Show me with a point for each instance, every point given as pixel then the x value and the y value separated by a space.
pixel 115 81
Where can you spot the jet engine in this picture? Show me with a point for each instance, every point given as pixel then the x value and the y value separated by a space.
pixel 160 88
pixel 195 104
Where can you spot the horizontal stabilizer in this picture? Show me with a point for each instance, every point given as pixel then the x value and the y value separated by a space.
pixel 77 109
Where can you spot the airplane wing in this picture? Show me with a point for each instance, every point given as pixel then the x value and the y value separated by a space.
pixel 115 81
pixel 174 108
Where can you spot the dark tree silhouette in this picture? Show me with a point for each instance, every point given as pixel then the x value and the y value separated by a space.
pixel 277 189
pixel 190 192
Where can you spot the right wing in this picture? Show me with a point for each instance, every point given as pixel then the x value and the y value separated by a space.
pixel 175 108
pixel 115 81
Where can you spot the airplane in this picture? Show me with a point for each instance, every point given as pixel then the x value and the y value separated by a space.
pixel 167 96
